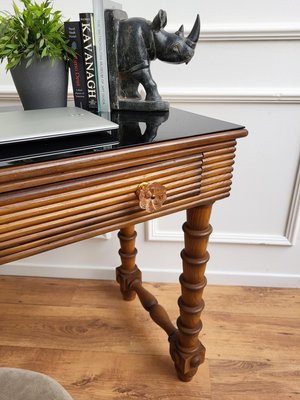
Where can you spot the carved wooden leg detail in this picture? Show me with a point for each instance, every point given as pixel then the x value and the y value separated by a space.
pixel 128 271
pixel 185 348
pixel 156 311
pixel 130 279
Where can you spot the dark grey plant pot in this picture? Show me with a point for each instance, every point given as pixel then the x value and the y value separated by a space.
pixel 44 84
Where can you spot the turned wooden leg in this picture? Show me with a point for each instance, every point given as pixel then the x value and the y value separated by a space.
pixel 130 280
pixel 128 272
pixel 185 348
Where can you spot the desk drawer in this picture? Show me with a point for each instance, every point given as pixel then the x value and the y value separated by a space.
pixel 61 206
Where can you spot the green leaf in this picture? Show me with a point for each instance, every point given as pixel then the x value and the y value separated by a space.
pixel 16 9
pixel 4 52
pixel 48 12
pixel 10 65
pixel 29 62
pixel 44 52
pixel 30 54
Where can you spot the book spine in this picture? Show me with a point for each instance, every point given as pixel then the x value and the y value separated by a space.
pixel 89 51
pixel 98 9
pixel 73 33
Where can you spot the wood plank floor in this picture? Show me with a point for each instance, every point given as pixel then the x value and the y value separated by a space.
pixel 100 347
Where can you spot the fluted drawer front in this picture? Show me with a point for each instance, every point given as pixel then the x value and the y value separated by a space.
pixel 36 215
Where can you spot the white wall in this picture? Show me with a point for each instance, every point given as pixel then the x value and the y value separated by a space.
pixel 245 70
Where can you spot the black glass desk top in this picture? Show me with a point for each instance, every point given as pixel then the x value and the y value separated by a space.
pixel 135 128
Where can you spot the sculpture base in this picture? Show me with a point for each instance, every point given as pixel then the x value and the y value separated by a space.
pixel 143 105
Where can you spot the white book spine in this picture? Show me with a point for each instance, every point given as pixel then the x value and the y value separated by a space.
pixel 99 7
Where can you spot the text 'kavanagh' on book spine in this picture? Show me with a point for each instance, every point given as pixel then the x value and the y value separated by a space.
pixel 89 59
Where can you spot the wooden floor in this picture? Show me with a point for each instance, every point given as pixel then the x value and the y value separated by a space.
pixel 100 347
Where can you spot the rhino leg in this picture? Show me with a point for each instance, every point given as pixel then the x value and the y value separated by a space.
pixel 145 78
pixel 129 88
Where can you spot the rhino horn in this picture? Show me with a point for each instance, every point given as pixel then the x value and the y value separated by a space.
pixel 193 37
pixel 180 32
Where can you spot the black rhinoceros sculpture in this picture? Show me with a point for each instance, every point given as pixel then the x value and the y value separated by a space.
pixel 136 42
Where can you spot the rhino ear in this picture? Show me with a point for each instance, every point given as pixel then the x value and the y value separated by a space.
pixel 159 21
pixel 180 32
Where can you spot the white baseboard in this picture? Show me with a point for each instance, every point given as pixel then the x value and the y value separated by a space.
pixel 58 271
pixel 150 275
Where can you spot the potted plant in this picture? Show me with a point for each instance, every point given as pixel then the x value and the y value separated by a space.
pixel 32 41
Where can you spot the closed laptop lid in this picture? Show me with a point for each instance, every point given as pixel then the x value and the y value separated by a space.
pixel 20 125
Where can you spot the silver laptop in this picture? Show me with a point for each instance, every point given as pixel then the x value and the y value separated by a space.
pixel 16 126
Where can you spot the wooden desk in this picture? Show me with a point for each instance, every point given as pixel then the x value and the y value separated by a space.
pixel 56 192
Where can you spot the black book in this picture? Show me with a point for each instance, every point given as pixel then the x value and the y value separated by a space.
pixel 89 53
pixel 73 33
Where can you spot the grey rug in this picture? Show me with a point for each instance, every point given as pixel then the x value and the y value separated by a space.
pixel 21 384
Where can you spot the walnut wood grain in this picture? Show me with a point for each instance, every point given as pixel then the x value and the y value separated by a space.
pixel 220 188
pixel 185 348
pixel 128 271
pixel 98 229
pixel 75 164
pixel 101 184
pixel 106 210
pixel 51 204
pixel 74 330
pixel 156 311
pixel 129 278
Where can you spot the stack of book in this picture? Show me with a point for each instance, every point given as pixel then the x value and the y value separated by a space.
pixel 89 70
